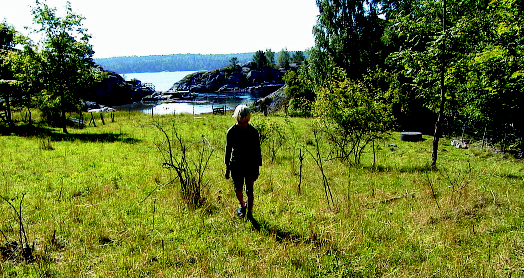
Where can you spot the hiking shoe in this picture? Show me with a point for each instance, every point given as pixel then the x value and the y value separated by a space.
pixel 241 211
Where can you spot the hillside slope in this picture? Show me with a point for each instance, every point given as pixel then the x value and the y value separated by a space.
pixel 174 62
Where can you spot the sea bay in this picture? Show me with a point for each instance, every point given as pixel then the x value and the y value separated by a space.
pixel 163 81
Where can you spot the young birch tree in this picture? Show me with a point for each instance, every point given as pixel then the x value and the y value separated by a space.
pixel 66 58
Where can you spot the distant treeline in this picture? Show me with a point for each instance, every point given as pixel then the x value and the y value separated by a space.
pixel 174 62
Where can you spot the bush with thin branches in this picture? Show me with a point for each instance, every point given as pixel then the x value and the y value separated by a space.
pixel 189 167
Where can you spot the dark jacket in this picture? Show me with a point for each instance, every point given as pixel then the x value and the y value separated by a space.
pixel 242 147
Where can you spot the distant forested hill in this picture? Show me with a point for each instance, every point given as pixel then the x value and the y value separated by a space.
pixel 174 62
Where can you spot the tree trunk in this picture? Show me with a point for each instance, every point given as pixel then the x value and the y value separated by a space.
pixel 63 112
pixel 438 124
pixel 436 135
pixel 8 115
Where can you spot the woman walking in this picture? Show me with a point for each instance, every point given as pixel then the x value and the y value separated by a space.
pixel 243 158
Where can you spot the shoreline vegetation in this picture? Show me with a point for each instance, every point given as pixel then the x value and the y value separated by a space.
pixel 256 79
pixel 173 62
pixel 234 81
pixel 97 202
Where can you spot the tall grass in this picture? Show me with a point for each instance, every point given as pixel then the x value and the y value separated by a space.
pixel 99 203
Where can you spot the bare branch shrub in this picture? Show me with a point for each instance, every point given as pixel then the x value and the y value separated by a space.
pixel 20 249
pixel 189 167
pixel 317 156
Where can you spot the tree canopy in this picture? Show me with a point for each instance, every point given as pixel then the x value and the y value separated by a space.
pixel 348 35
pixel 283 59
pixel 7 41
pixel 66 60
pixel 467 57
pixel 53 73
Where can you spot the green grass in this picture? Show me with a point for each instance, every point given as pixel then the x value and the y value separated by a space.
pixel 103 193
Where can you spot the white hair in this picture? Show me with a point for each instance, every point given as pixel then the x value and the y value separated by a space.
pixel 242 112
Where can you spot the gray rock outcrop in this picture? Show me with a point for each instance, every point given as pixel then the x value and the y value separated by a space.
pixel 271 103
pixel 241 78
pixel 114 90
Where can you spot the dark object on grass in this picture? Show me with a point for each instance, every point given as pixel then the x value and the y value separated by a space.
pixel 411 136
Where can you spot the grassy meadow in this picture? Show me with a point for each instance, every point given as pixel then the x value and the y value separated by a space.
pixel 98 203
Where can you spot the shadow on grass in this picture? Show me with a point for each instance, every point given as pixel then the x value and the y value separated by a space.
pixel 53 135
pixel 417 169
pixel 403 169
pixel 282 235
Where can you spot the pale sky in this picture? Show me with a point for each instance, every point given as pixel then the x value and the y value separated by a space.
pixel 161 27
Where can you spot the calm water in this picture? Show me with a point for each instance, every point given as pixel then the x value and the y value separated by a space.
pixel 186 107
pixel 163 82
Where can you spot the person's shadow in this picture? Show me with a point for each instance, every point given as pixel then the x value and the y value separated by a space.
pixel 279 233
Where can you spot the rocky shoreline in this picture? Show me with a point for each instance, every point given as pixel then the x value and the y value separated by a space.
pixel 224 82
pixel 241 78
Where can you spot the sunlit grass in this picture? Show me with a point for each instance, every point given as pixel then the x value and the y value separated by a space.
pixel 115 212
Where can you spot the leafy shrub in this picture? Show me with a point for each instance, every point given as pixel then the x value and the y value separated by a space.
pixel 300 93
pixel 354 114
pixel 272 137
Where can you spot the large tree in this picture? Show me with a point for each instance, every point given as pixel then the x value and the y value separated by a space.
pixel 7 84
pixel 283 59
pixel 474 67
pixel 26 67
pixel 347 35
pixel 66 58
pixel 298 57
pixel 270 56
pixel 260 60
